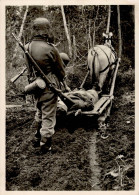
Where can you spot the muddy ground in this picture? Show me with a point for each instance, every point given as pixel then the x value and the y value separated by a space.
pixel 82 158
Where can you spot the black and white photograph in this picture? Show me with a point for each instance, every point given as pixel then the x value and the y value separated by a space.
pixel 70 97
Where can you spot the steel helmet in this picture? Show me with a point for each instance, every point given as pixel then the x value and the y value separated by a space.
pixel 41 23
pixel 41 26
pixel 65 58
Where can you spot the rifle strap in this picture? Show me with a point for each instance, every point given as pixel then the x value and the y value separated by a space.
pixel 32 71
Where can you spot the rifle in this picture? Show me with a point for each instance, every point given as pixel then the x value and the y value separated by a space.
pixel 68 101
pixel 18 75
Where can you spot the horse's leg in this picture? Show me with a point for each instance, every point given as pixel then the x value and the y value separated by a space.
pixel 96 68
pixel 90 60
pixel 102 79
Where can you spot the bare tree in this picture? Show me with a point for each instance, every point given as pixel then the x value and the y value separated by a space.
pixel 66 31
pixel 74 49
pixel 23 22
pixel 20 35
pixel 90 38
pixel 119 32
pixel 95 27
pixel 108 22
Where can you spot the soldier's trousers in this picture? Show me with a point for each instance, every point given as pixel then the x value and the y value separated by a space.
pixel 46 114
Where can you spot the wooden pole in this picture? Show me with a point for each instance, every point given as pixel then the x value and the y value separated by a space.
pixel 114 78
pixel 119 53
pixel 66 31
pixel 117 65
pixel 81 86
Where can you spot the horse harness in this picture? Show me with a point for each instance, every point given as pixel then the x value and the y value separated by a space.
pixel 109 64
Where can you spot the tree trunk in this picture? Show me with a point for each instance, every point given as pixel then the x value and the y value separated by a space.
pixel 90 39
pixel 20 35
pixel 95 26
pixel 94 34
pixel 109 18
pixel 74 49
pixel 23 22
pixel 119 32
pixel 66 31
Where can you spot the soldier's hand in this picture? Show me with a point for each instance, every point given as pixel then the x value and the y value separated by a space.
pixel 67 89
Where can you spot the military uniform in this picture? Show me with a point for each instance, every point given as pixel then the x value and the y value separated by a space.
pixel 49 60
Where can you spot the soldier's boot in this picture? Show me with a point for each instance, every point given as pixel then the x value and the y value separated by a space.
pixel 36 141
pixel 46 147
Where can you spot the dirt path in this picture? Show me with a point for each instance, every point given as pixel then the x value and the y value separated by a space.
pixel 96 169
pixel 67 167
pixel 117 152
pixel 80 158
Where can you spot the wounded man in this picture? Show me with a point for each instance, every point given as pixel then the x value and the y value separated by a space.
pixel 84 100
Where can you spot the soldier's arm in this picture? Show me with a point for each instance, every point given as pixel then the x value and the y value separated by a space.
pixel 66 86
pixel 30 69
pixel 58 64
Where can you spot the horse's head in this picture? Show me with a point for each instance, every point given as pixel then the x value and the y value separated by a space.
pixel 107 38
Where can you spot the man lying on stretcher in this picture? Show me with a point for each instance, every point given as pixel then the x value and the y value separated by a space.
pixel 85 99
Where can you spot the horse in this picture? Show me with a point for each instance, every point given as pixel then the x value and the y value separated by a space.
pixel 100 60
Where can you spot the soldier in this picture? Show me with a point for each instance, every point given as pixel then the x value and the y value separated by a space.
pixel 47 57
pixel 65 58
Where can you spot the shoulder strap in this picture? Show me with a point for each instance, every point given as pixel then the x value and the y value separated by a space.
pixel 32 72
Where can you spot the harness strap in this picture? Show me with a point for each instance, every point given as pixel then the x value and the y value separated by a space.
pixel 104 69
pixel 110 64
pixel 94 59
pixel 104 52
pixel 114 63
pixel 112 49
pixel 94 75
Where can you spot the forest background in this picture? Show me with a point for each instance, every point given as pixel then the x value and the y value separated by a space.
pixel 81 22
pixel 76 143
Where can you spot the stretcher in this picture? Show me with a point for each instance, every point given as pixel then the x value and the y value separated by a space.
pixel 104 101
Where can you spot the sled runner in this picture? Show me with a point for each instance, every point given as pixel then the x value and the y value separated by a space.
pixel 103 101
pixel 96 103
pixel 102 67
